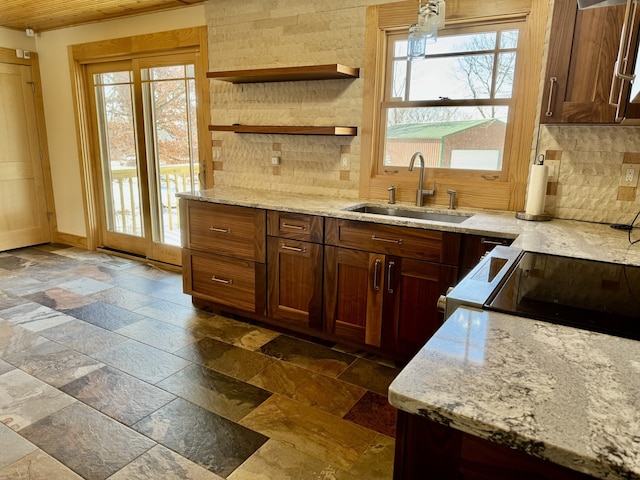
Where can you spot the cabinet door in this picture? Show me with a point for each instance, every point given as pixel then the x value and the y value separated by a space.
pixel 354 287
pixel 582 52
pixel 295 281
pixel 410 312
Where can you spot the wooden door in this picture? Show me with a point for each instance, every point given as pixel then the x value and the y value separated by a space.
pixel 354 288
pixel 582 52
pixel 144 133
pixel 295 282
pixel 24 218
pixel 413 288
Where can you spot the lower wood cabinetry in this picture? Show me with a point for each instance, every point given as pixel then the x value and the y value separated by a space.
pixel 381 296
pixel 370 285
pixel 429 450
pixel 411 307
pixel 227 281
pixel 383 301
pixel 295 269
pixel 224 255
pixel 353 288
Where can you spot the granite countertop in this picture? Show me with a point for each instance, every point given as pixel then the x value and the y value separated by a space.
pixel 570 396
pixel 557 237
pixel 567 395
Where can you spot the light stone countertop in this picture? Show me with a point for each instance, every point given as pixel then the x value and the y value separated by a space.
pixel 557 237
pixel 567 395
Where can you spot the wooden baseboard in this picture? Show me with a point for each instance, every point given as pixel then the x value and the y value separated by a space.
pixel 69 239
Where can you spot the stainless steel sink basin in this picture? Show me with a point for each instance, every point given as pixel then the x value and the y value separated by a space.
pixel 409 213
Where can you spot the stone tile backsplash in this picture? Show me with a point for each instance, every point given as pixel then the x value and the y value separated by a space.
pixel 263 34
pixel 590 170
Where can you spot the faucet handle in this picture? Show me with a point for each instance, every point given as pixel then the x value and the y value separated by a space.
pixel 430 192
pixel 392 194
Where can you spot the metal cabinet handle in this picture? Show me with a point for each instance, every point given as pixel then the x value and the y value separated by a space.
pixel 222 280
pixel 376 280
pixel 284 246
pixel 388 240
pixel 613 92
pixel 490 242
pixel 390 266
pixel 220 230
pixel 622 61
pixel 553 81
pixel 293 227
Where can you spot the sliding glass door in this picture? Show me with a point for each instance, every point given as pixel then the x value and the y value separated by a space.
pixel 144 118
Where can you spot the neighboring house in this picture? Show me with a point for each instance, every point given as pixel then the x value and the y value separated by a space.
pixel 445 144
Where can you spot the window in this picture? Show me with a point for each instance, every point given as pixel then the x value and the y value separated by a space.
pixel 469 106
pixel 454 104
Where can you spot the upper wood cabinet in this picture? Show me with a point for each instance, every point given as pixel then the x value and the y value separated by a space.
pixel 582 52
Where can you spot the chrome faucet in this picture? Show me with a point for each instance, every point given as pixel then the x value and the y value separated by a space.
pixel 421 192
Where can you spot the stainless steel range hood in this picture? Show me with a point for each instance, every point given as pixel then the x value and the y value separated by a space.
pixel 582 4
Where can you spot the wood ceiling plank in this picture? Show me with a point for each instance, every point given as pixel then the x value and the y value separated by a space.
pixel 54 14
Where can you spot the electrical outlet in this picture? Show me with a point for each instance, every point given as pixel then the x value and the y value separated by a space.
pixel 275 160
pixel 629 175
pixel 554 169
pixel 344 162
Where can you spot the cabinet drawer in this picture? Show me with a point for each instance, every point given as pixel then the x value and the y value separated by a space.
pixel 228 281
pixel 297 226
pixel 237 232
pixel 430 245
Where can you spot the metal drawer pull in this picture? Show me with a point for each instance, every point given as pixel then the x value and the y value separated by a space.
pixel 388 240
pixel 553 81
pixel 376 268
pixel 284 246
pixel 389 268
pixel 222 280
pixel 490 242
pixel 220 230
pixel 293 227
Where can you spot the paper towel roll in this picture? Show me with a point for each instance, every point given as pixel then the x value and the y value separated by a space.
pixel 537 190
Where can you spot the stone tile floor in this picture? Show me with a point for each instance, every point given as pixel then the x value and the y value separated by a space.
pixel 108 371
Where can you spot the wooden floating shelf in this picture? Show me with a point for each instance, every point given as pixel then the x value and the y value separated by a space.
pixel 333 71
pixel 285 130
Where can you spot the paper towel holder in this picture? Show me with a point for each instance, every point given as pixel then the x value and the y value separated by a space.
pixel 538 217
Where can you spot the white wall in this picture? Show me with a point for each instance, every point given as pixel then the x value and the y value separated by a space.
pixel 16 39
pixel 58 100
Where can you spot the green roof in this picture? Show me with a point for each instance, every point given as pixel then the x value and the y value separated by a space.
pixel 437 130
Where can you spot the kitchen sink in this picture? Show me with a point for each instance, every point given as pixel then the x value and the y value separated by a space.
pixel 410 213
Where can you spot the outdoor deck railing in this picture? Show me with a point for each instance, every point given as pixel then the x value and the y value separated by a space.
pixel 126 199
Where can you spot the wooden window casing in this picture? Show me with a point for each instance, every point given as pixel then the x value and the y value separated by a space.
pixel 503 190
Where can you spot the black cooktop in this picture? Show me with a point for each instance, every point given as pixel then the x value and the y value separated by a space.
pixel 598 296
